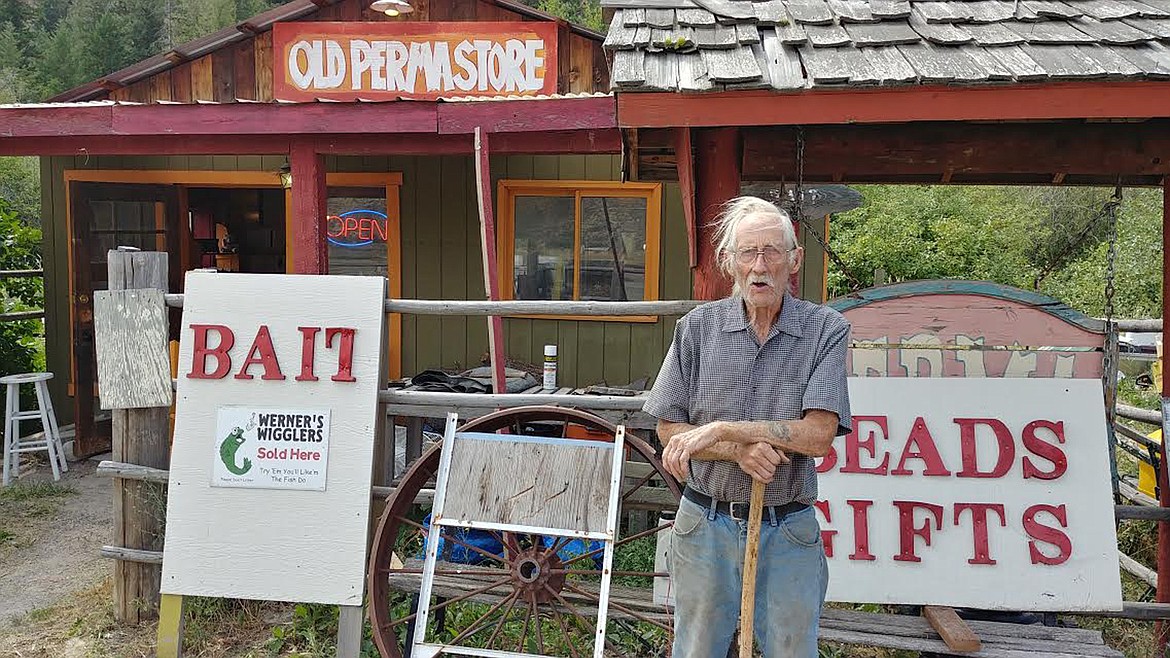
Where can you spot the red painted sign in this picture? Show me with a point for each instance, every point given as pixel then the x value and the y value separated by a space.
pixel 386 61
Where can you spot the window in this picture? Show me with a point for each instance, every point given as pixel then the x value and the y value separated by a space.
pixel 579 240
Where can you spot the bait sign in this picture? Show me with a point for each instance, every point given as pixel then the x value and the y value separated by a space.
pixel 269 448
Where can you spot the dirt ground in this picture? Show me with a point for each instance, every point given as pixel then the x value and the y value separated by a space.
pixel 53 555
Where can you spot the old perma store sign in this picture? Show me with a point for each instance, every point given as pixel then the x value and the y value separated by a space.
pixel 386 61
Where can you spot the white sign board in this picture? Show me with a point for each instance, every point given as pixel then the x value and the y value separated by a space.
pixel 276 412
pixel 986 493
pixel 271 448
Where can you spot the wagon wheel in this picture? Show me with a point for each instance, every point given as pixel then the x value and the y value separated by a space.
pixel 528 594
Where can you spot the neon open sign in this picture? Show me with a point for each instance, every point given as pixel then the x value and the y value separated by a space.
pixel 356 228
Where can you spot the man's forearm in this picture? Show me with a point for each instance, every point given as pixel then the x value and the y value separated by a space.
pixel 812 435
pixel 719 451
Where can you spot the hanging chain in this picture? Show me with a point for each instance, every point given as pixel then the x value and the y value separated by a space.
pixel 1110 358
pixel 798 210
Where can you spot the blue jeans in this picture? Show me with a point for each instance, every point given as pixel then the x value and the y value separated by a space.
pixel 706 567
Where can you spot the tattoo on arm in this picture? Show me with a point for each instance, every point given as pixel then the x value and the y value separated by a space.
pixel 780 431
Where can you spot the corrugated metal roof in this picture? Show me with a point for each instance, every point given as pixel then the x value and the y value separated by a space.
pixel 717 45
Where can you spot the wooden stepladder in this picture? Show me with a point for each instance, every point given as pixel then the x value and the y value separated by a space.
pixel 521 488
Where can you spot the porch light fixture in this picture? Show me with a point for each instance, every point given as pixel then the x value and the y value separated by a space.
pixel 392 7
pixel 286 177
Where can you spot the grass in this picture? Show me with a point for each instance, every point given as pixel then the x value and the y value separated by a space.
pixel 23 506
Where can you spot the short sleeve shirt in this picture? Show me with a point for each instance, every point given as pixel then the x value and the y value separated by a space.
pixel 717 369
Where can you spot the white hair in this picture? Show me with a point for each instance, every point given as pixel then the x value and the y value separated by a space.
pixel 733 215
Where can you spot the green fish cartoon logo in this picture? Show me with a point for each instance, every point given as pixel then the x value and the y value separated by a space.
pixel 228 449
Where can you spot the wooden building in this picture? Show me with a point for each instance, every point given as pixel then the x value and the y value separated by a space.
pixel 325 136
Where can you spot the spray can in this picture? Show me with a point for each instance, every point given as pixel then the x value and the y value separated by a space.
pixel 550 368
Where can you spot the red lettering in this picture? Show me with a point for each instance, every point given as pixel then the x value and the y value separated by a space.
pixel 1047 534
pixel 308 353
pixel 263 353
pixel 826 535
pixel 979 528
pixel 861 529
pixel 333 226
pixel 907 531
pixel 364 229
pixel 927 451
pixel 1003 436
pixel 344 354
pixel 1041 448
pixel 200 352
pixel 854 445
pixel 348 225
pixel 380 228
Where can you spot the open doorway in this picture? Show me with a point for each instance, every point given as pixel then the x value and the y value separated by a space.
pixel 237 230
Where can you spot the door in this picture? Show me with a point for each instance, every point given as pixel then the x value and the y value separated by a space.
pixel 105 216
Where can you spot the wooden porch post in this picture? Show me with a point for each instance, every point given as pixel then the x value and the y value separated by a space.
pixel 717 173
pixel 1162 629
pixel 310 253
pixel 487 245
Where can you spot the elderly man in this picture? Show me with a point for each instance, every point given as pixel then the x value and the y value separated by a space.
pixel 753 387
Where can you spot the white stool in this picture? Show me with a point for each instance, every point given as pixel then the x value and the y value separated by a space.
pixel 49 440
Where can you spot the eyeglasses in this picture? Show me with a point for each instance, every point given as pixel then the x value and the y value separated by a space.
pixel 771 254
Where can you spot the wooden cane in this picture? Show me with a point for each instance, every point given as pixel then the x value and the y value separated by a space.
pixel 751 558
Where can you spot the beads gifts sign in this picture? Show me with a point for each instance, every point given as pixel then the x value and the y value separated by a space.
pixel 276 412
pixel 976 492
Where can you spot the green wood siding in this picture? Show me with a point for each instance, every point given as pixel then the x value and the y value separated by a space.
pixel 440 260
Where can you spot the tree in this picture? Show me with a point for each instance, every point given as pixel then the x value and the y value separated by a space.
pixel 20 248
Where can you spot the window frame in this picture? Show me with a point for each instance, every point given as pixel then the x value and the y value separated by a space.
pixel 507 192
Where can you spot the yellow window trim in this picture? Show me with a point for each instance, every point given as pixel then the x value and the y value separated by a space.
pixel 508 190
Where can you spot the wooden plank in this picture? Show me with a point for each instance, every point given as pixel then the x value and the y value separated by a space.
pixel 827 36
pixel 591 342
pixel 699 17
pixel 619 36
pixel 264 66
pixel 732 9
pixel 1062 62
pixel 738 65
pixel 1150 9
pixel 349 631
pixel 661 71
pixel 1017 62
pixel 953 630
pixel 810 12
pixel 544 485
pixel 993 34
pixel 629 68
pixel 825 65
pixel 133 364
pixel 995 69
pixel 634 17
pixel 568 356
pixel 1106 9
pixel 171 626
pixel 1153 59
pixel 617 353
pixel 783 63
pixel 1052 9
pixel 941 64
pixel 1158 28
pixel 1113 63
pixel 886 33
pixel 140 436
pixel 428 258
pixel 943 12
pixel 646 351
pixel 660 18
pixel 1049 33
pixel 692 73
pixel 160 86
pixel 716 37
pixel 890 9
pixel 746 33
pixel 1114 33
pixel 454 203
pixel 202 82
pixel 181 84
pixel 223 68
pixel 852 11
pixel 889 65
pixel 244 68
pixel 941 33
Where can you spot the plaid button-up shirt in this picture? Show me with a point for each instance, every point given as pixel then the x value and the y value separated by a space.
pixel 716 369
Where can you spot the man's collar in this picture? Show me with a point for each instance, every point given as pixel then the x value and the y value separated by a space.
pixel 791 317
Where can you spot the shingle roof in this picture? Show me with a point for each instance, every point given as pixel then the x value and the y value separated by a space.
pixel 715 45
